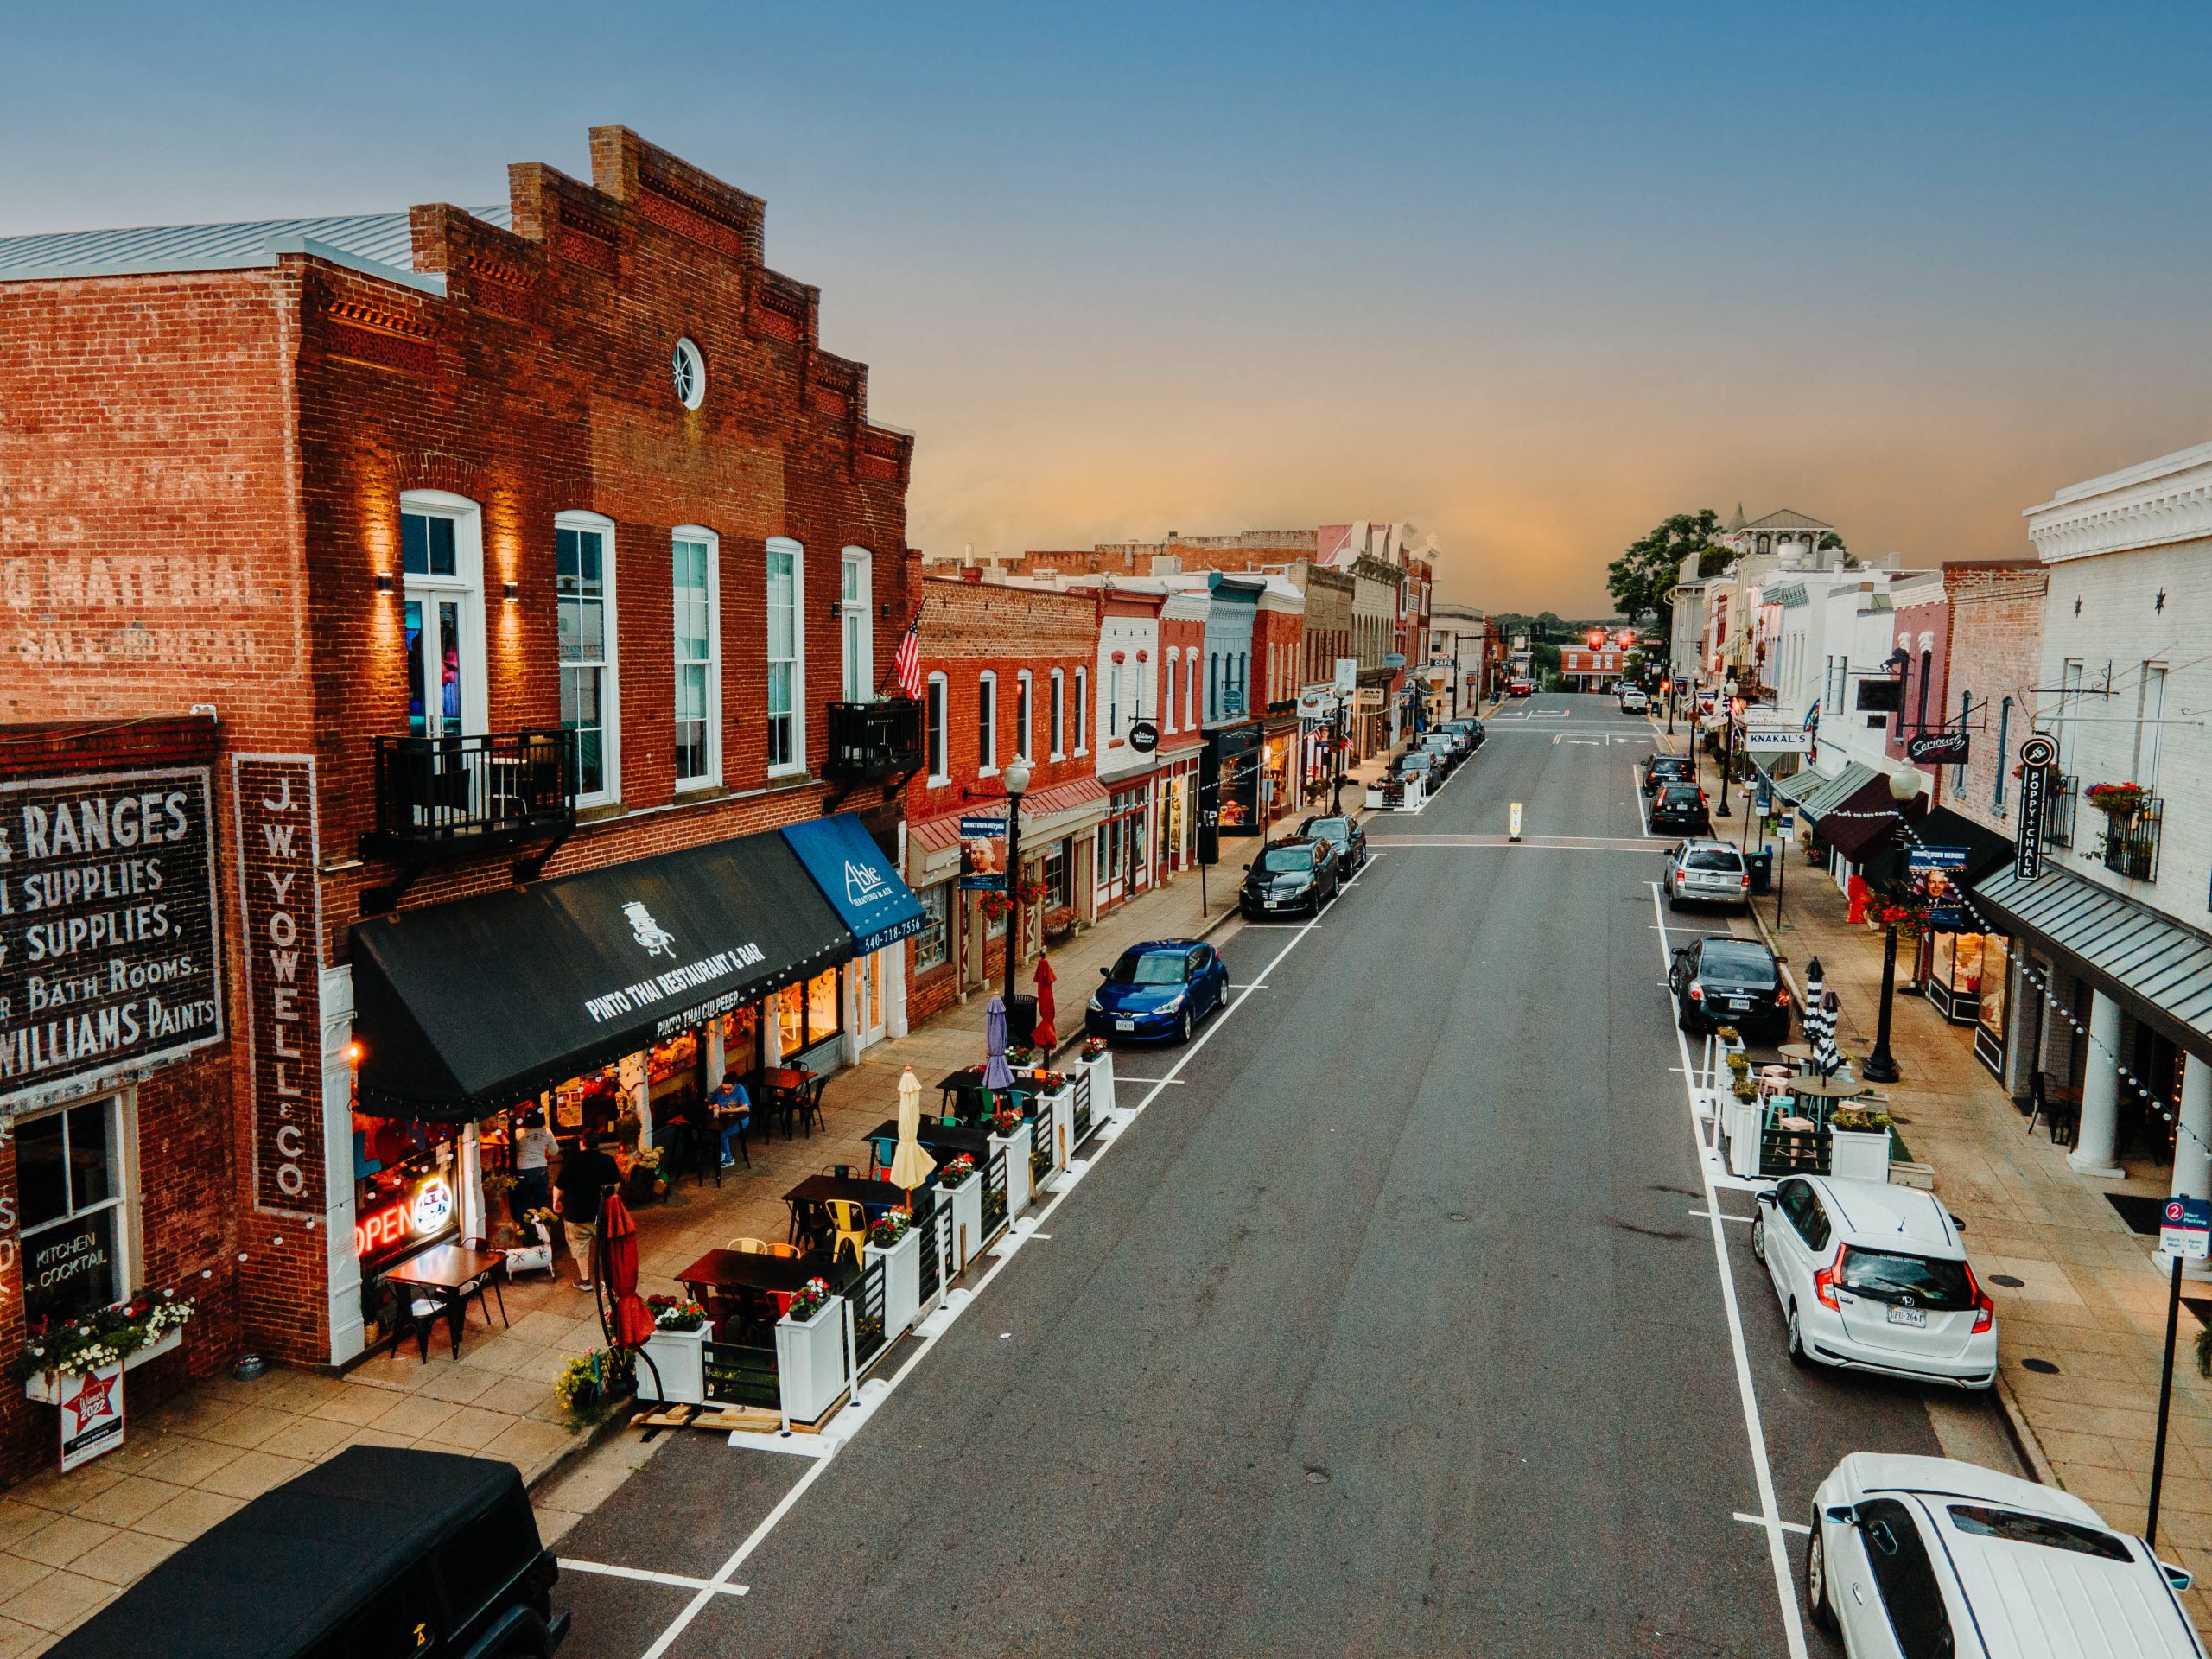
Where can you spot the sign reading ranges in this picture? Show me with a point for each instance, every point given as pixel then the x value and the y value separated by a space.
pixel 108 962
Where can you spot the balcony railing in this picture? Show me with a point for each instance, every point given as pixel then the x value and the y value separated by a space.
pixel 873 739
pixel 2132 843
pixel 2058 810
pixel 445 797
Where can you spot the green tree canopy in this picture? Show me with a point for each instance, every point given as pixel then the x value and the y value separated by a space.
pixel 1639 579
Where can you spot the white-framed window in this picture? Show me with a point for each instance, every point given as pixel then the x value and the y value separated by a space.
pixel 583 576
pixel 1213 685
pixel 787 567
pixel 930 943
pixel 934 700
pixel 2150 710
pixel 856 635
pixel 1189 688
pixel 1025 702
pixel 1082 711
pixel 1273 673
pixel 1060 714
pixel 1167 702
pixel 441 612
pixel 687 372
pixel 987 722
pixel 72 1186
pixel 696 623
pixel 1113 701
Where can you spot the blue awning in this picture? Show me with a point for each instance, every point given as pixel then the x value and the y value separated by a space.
pixel 861 884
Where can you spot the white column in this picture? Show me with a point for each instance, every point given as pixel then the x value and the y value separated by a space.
pixel 2193 1141
pixel 894 991
pixel 2094 1149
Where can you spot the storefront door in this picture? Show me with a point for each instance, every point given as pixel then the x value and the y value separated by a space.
pixel 868 998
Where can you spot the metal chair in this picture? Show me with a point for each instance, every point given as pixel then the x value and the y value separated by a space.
pixel 848 1225
pixel 747 1246
pixel 806 1104
pixel 788 1252
pixel 494 1277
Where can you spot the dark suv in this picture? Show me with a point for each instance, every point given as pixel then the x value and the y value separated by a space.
pixel 1291 876
pixel 1665 768
pixel 1727 981
pixel 1680 806
pixel 1344 835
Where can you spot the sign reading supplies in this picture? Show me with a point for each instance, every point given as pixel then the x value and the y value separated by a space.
pixel 108 957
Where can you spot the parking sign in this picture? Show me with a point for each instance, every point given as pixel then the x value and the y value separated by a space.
pixel 2185 1229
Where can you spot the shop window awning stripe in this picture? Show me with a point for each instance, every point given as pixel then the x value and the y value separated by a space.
pixel 461 1009
pixel 2147 955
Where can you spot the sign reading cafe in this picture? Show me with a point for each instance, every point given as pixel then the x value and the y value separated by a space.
pixel 108 959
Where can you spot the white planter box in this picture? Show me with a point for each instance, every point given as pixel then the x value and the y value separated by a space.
pixel 1057 1111
pixel 810 1361
pixel 1374 798
pixel 902 1281
pixel 967 1202
pixel 680 1357
pixel 1741 1121
pixel 1859 1154
pixel 41 1387
pixel 1016 1147
pixel 1102 1086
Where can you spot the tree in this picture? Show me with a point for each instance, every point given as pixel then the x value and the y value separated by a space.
pixel 1639 579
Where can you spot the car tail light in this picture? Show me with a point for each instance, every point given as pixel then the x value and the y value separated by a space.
pixel 1745 881
pixel 1825 1281
pixel 1781 997
pixel 1985 1310
pixel 1697 992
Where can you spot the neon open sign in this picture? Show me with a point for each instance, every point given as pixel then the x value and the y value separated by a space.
pixel 423 1213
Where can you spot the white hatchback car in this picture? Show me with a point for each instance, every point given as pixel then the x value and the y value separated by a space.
pixel 1913 1556
pixel 1874 1277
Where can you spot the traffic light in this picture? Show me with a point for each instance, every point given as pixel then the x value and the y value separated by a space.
pixel 1597 639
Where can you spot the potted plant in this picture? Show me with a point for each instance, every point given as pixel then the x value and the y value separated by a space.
pixel 497 1184
pixel 958 1185
pixel 677 1349
pixel 643 1181
pixel 1093 1047
pixel 130 1332
pixel 590 1384
pixel 1730 1038
pixel 893 1241
pixel 811 1352
pixel 1858 1143
pixel 2117 800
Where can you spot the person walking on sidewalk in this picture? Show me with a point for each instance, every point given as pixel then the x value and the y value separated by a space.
pixel 585 1177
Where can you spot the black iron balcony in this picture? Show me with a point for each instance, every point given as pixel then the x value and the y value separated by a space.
pixel 447 796
pixel 873 739
pixel 2131 842
pixel 2058 809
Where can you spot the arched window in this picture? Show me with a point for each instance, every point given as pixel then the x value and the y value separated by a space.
pixel 1082 711
pixel 1926 664
pixel 1167 702
pixel 441 610
pixel 583 575
pixel 1189 688
pixel 695 613
pixel 856 636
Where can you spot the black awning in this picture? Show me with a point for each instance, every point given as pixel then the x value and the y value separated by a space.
pixel 1862 824
pixel 465 1007
pixel 1987 850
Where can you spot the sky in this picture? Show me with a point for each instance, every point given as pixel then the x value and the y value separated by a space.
pixel 1532 276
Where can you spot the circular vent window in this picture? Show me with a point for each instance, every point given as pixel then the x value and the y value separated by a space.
pixel 688 370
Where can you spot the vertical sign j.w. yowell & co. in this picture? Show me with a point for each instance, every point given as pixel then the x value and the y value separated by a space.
pixel 280 911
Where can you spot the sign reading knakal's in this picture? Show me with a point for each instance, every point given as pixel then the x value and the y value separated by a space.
pixel 108 958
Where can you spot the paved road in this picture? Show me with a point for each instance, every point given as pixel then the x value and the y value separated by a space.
pixel 1394 1325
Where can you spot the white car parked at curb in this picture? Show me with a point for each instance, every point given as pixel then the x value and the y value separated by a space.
pixel 1911 1558
pixel 1875 1278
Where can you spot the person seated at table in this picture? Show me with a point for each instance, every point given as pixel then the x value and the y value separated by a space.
pixel 586 1173
pixel 734 1107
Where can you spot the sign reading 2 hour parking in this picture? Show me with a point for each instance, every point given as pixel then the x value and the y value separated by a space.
pixel 108 959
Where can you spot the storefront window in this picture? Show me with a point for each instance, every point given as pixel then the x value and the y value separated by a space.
pixel 68 1190
pixel 741 1038
pixel 806 1014
pixel 404 1181
pixel 929 944
pixel 1059 879
pixel 1996 960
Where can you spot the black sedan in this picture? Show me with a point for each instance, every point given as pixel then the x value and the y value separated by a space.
pixel 1680 806
pixel 1665 768
pixel 1344 835
pixel 1291 876
pixel 1726 981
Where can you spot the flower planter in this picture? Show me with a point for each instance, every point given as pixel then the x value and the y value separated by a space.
pixel 810 1361
pixel 1374 797
pixel 680 1358
pixel 902 1281
pixel 1859 1154
pixel 1101 1085
pixel 41 1385
pixel 1015 1144
pixel 966 1202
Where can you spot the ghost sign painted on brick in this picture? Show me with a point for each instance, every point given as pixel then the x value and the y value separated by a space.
pixel 280 911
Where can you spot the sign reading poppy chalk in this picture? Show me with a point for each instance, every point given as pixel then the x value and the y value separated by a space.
pixel 280 909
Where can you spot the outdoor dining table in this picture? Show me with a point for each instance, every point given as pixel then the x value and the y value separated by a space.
pixel 1027 1080
pixel 810 1194
pixel 775 1092
pixel 936 1137
pixel 446 1274
pixel 750 1270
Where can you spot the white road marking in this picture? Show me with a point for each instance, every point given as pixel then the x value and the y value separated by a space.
pixel 1641 816
pixel 1743 1220
pixel 1759 1520
pixel 674 1580
pixel 1770 1512
pixel 1177 1082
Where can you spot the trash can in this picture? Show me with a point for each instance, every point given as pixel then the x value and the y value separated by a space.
pixel 1761 865
pixel 1021 1022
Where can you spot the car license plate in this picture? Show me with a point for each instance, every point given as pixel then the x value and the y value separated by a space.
pixel 1916 1317
pixel 1270 903
pixel 1738 1004
pixel 1125 1025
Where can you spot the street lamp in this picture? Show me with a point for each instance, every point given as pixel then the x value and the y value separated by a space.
pixel 1667 691
pixel 1017 786
pixel 1727 744
pixel 1881 1066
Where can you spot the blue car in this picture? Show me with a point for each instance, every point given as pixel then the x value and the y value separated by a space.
pixel 1159 989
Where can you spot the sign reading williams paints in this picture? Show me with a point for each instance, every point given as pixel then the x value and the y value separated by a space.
pixel 108 957
pixel 280 910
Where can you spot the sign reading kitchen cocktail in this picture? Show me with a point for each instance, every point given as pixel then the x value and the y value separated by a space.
pixel 108 958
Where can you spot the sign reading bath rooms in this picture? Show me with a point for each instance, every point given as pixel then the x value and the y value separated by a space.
pixel 108 957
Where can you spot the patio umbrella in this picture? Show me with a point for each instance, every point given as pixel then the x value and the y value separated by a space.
pixel 996 1073
pixel 1046 1039
pixel 909 1165
pixel 623 1314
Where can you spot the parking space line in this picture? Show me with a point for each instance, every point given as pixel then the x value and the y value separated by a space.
pixel 1742 1220
pixel 1787 1526
pixel 673 1580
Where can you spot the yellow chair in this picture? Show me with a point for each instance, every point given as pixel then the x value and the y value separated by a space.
pixel 789 1252
pixel 848 1224
pixel 749 1246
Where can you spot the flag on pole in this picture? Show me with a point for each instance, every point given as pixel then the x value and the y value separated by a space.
pixel 907 665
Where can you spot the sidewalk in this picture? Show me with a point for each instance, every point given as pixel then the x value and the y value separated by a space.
pixel 2081 1308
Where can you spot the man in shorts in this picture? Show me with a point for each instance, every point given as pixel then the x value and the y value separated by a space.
pixel 584 1175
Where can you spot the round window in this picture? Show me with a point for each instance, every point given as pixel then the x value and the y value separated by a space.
pixel 688 370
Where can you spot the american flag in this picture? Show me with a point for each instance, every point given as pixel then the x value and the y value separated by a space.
pixel 907 665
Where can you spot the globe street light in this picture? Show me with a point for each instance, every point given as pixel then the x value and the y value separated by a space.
pixel 1017 786
pixel 1881 1066
pixel 1727 743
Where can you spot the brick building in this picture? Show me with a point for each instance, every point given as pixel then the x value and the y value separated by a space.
pixel 491 538
pixel 1007 671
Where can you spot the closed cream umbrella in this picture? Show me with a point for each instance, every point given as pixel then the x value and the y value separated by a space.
pixel 909 1165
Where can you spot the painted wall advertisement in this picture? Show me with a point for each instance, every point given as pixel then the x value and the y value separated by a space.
pixel 108 958
pixel 280 911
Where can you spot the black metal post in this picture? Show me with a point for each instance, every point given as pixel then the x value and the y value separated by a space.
pixel 1881 1066
pixel 1674 696
pixel 1727 755
pixel 1012 894
pixel 2165 1406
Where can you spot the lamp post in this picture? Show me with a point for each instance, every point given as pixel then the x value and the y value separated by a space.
pixel 1881 1066
pixel 1017 786
pixel 1728 743
pixel 1667 691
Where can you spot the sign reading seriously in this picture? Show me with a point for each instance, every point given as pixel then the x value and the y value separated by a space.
pixel 280 908
pixel 108 958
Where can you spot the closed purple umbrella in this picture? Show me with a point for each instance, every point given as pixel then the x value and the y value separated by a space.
pixel 996 1073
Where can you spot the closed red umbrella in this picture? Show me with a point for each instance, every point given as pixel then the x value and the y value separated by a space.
pixel 1046 1039
pixel 630 1321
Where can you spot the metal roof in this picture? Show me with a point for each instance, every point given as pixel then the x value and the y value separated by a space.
pixel 2138 949
pixel 373 239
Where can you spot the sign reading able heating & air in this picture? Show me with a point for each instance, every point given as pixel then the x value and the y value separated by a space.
pixel 108 957
pixel 280 909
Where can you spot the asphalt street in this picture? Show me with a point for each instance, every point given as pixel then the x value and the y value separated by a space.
pixel 1395 1325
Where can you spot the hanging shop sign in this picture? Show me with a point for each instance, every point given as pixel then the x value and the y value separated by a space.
pixel 1942 869
pixel 1144 736
pixel 1938 748
pixel 1347 674
pixel 1317 702
pixel 982 854
pixel 91 1413
pixel 280 910
pixel 1367 699
pixel 108 951
pixel 2037 754
pixel 1776 740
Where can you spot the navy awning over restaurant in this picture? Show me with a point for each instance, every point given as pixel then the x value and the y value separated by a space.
pixel 464 1008
pixel 861 884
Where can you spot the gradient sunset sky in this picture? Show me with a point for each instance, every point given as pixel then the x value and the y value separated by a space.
pixel 1530 275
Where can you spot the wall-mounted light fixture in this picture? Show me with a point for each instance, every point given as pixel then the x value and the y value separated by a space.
pixel 383 581
pixel 514 592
